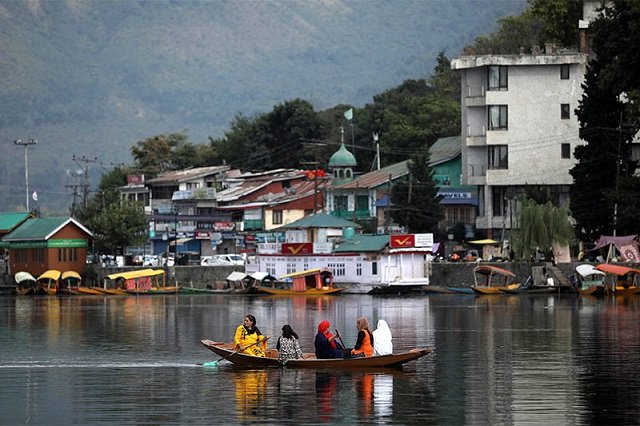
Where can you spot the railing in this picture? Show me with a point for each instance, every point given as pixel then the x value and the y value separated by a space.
pixel 476 91
pixel 475 170
pixel 350 214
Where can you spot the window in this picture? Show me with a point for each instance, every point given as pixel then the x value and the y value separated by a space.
pixel 276 217
pixel 564 72
pixel 565 150
pixel 374 268
pixel 565 111
pixel 498 157
pixel 497 117
pixel 341 203
pixel 499 200
pixel 362 202
pixel 497 77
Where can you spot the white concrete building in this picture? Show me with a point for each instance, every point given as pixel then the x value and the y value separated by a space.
pixel 519 129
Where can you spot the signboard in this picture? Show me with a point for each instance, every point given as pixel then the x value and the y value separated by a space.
pixel 297 248
pixel 424 240
pixel 135 179
pixel 224 226
pixel 401 240
pixel 323 248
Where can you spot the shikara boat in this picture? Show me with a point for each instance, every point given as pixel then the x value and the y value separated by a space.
pixel 69 282
pixel 48 281
pixel 226 351
pixel 25 283
pixel 493 280
pixel 590 280
pixel 143 281
pixel 622 280
pixel 312 282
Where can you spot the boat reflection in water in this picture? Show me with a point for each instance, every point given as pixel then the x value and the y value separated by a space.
pixel 250 392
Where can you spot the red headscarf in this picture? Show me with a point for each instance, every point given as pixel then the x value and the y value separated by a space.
pixel 323 328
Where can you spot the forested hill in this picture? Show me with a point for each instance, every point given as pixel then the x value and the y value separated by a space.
pixel 93 77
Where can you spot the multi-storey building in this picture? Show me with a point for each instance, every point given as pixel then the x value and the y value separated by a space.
pixel 519 128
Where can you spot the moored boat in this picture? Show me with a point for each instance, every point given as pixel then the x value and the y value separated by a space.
pixel 623 280
pixel 69 282
pixel 226 351
pixel 25 283
pixel 48 281
pixel 590 280
pixel 496 280
pixel 312 282
pixel 142 281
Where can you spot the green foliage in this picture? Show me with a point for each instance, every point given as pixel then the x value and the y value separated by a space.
pixel 540 226
pixel 119 225
pixel 415 201
pixel 604 175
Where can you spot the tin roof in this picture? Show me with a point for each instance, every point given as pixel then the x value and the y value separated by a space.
pixel 187 174
pixel 8 221
pixel 363 243
pixel 320 220
pixel 41 228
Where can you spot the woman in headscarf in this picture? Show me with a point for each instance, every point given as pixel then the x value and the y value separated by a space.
pixel 248 339
pixel 364 344
pixel 382 339
pixel 326 345
pixel 288 346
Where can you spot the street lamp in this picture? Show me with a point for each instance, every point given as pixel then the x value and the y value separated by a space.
pixel 376 136
pixel 26 165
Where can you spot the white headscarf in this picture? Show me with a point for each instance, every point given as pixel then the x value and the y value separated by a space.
pixel 382 339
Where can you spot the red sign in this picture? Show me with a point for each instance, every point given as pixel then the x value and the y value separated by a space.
pixel 402 240
pixel 135 179
pixel 297 248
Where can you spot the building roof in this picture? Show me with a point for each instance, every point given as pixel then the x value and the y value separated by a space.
pixel 445 149
pixel 476 61
pixel 187 174
pixel 8 221
pixel 363 243
pixel 252 183
pixel 41 228
pixel 320 220
pixel 342 158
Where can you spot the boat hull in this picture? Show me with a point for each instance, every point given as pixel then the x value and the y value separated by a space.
pixel 310 362
pixel 495 289
pixel 291 292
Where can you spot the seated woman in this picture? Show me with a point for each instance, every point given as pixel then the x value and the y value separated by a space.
pixel 288 346
pixel 382 339
pixel 248 339
pixel 364 344
pixel 326 345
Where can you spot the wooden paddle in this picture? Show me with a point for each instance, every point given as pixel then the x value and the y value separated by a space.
pixel 214 363
pixel 340 337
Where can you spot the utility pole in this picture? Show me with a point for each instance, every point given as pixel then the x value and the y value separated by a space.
pixel 85 170
pixel 26 166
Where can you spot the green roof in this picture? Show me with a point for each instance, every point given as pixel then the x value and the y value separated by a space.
pixel 8 221
pixel 321 220
pixel 40 228
pixel 363 243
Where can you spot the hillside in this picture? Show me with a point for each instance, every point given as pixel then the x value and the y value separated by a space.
pixel 92 77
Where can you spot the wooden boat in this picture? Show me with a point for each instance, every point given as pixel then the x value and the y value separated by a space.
pixel 25 283
pixel 143 281
pixel 590 280
pixel 226 351
pixel 462 290
pixel 496 280
pixel 48 281
pixel 622 279
pixel 69 282
pixel 312 282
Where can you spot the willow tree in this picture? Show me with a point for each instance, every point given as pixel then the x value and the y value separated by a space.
pixel 540 227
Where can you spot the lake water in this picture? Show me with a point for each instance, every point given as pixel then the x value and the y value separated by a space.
pixel 509 359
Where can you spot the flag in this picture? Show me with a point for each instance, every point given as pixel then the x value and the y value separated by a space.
pixel 348 114
pixel 34 196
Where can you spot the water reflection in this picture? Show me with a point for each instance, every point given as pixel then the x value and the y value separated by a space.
pixel 249 394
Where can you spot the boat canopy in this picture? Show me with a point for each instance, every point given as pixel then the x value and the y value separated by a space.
pixel 136 274
pixel 51 274
pixel 71 274
pixel 302 273
pixel 236 276
pixel 492 270
pixel 588 270
pixel 23 276
pixel 616 269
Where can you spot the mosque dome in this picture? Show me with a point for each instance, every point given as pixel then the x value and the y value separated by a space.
pixel 342 158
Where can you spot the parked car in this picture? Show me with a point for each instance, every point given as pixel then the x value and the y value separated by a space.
pixel 464 256
pixel 222 259
pixel 151 260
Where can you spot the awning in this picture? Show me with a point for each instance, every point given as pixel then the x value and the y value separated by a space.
pixel 236 276
pixel 180 241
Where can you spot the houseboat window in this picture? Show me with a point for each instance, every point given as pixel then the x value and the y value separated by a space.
pixel 338 269
pixel 374 268
pixel 358 269
pixel 497 77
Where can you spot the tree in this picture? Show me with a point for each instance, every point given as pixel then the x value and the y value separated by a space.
pixel 162 153
pixel 540 227
pixel 605 189
pixel 415 201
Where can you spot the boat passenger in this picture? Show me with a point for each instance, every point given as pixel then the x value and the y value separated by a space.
pixel 326 345
pixel 288 346
pixel 364 344
pixel 382 339
pixel 248 339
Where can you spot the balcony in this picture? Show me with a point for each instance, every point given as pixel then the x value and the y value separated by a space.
pixel 351 214
pixel 195 194
pixel 476 135
pixel 476 174
pixel 475 96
